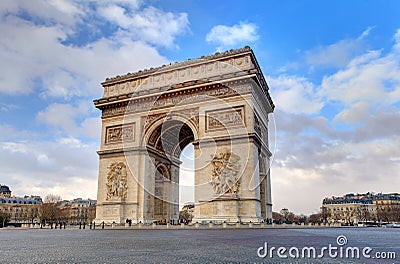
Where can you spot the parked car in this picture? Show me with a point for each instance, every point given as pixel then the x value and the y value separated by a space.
pixel 393 225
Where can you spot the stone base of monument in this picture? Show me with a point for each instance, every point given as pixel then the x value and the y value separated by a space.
pixel 228 209
pixel 110 212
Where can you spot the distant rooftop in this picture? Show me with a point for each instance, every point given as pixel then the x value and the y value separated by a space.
pixel 365 198
pixel 21 200
pixel 4 189
pixel 79 201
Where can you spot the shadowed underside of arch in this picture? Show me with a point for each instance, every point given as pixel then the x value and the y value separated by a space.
pixel 167 140
pixel 170 138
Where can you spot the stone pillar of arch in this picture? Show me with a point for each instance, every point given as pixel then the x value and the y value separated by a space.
pixel 218 103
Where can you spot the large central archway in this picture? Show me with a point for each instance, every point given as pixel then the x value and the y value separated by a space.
pixel 220 104
pixel 165 141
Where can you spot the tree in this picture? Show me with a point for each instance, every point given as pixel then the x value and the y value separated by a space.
pixel 4 219
pixel 395 213
pixel 325 214
pixel 285 213
pixel 52 198
pixel 49 212
pixel 362 213
pixel 277 217
pixel 290 217
pixel 315 218
pixel 301 218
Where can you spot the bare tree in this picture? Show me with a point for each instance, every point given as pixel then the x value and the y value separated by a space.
pixel 285 213
pixel 52 198
pixel 325 214
pixel 362 213
pixel 315 218
pixel 277 216
pixel 4 219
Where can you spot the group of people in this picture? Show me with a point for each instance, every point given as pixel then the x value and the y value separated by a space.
pixel 128 221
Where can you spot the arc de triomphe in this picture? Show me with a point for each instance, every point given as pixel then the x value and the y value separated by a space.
pixel 218 103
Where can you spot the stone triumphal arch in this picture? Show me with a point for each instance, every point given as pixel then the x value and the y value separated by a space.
pixel 218 103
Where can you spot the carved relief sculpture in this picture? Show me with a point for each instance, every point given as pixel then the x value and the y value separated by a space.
pixel 225 173
pixel 116 181
pixel 220 119
pixel 117 134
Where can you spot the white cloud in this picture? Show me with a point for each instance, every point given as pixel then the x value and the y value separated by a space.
pixel 62 12
pixel 71 119
pixel 58 68
pixel 370 77
pixel 294 94
pixel 67 167
pixel 315 156
pixel 150 24
pixel 311 168
pixel 359 112
pixel 337 54
pixel 230 36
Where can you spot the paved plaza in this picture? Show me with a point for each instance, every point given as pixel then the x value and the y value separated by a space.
pixel 188 246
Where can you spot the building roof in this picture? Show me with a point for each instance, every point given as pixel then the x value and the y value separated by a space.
pixel 341 200
pixel 20 200
pixel 366 198
pixel 4 189
pixel 79 201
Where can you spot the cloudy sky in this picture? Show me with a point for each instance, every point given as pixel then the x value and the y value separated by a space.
pixel 332 68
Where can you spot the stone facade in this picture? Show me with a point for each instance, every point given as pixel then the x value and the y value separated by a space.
pixel 78 211
pixel 355 208
pixel 220 104
pixel 19 210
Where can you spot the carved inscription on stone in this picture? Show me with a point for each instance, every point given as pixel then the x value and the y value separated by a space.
pixel 116 181
pixel 217 119
pixel 225 173
pixel 120 133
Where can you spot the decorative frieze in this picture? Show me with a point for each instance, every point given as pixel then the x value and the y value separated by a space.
pixel 186 97
pixel 120 133
pixel 223 118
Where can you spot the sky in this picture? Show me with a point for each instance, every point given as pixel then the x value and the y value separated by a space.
pixel 333 69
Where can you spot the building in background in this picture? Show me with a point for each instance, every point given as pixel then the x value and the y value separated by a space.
pixel 78 211
pixel 355 208
pixel 387 206
pixel 19 210
pixel 5 192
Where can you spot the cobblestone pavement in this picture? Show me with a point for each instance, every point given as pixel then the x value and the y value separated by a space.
pixel 188 246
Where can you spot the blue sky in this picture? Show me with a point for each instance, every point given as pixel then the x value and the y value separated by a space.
pixel 332 68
